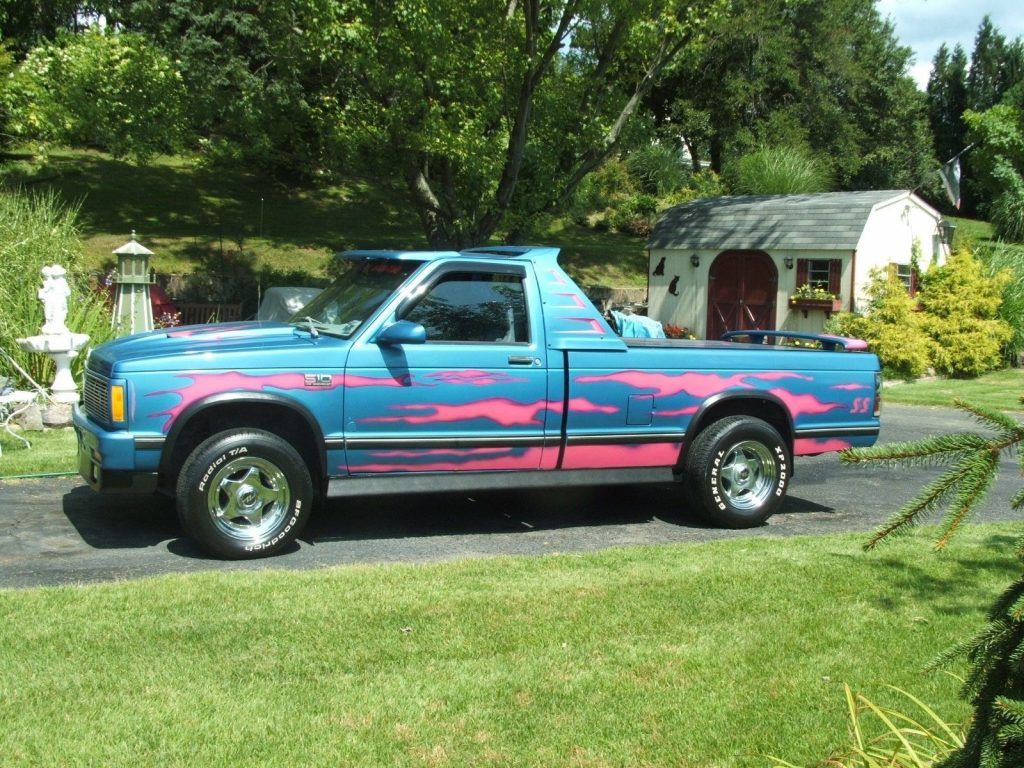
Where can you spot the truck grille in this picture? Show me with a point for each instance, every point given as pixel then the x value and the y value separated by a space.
pixel 96 395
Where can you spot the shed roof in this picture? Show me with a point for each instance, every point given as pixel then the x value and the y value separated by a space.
pixel 824 221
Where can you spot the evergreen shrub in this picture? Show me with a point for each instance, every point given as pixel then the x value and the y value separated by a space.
pixel 891 326
pixel 961 304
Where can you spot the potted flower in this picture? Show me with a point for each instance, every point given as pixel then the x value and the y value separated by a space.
pixel 808 297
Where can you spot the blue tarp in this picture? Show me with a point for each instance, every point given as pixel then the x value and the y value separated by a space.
pixel 637 326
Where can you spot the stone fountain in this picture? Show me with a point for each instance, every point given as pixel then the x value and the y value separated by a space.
pixel 58 342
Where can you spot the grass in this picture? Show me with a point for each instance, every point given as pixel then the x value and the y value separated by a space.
pixel 197 218
pixel 687 655
pixel 1001 390
pixel 52 450
pixel 971 230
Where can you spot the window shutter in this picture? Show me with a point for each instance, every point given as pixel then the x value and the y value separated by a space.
pixel 802 270
pixel 835 273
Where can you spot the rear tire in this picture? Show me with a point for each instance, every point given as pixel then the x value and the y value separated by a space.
pixel 737 471
pixel 244 494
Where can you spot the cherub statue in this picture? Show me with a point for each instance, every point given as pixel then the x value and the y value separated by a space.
pixel 54 295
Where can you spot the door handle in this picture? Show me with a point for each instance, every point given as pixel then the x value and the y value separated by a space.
pixel 520 360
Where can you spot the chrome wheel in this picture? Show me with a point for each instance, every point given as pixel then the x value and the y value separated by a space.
pixel 248 498
pixel 748 474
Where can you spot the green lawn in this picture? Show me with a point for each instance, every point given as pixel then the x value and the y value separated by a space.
pixel 196 218
pixel 1001 390
pixel 52 450
pixel 970 230
pixel 715 654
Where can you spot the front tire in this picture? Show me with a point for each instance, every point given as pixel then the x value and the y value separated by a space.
pixel 737 472
pixel 244 494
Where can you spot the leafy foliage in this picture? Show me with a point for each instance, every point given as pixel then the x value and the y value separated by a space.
pixel 115 92
pixel 995 682
pixel 550 96
pixel 999 160
pixel 1002 258
pixel 266 82
pixel 36 231
pixel 828 77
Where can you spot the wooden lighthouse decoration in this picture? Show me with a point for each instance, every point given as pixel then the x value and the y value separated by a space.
pixel 133 312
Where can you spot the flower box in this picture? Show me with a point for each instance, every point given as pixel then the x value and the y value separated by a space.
pixel 828 306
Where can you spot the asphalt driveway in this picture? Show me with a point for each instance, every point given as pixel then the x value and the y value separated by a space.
pixel 57 531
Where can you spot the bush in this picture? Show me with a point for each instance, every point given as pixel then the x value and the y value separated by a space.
pixel 891 327
pixel 600 189
pixel 635 215
pixel 104 90
pixel 779 171
pixel 657 170
pixel 961 303
pixel 1007 210
pixel 36 231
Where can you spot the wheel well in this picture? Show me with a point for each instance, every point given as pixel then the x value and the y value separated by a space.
pixel 278 419
pixel 762 408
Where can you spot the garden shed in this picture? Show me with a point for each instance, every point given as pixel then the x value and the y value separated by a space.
pixel 732 263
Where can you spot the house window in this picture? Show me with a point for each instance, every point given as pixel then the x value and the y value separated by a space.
pixel 820 273
pixel 907 275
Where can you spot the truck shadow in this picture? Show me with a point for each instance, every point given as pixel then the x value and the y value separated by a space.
pixel 139 522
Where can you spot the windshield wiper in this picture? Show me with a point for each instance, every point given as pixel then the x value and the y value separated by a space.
pixel 313 326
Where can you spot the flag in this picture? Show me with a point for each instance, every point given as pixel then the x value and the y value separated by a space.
pixel 950 174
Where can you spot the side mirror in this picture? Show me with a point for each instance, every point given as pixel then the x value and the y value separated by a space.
pixel 402 332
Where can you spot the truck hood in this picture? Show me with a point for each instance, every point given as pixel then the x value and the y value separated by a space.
pixel 208 347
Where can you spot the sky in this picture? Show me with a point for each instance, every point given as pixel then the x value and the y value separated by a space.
pixel 925 24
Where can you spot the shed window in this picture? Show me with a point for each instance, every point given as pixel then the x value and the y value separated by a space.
pixel 820 273
pixel 907 275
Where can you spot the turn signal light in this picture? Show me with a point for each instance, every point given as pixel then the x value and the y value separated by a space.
pixel 117 402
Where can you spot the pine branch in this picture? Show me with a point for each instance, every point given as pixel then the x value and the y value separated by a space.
pixel 1018 499
pixel 970 492
pixel 938 450
pixel 930 497
pixel 1002 424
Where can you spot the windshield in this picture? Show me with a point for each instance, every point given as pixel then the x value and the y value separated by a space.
pixel 354 296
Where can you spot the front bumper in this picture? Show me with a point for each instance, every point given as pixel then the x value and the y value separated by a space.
pixel 108 461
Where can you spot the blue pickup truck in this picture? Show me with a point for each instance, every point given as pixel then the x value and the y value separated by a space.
pixel 429 371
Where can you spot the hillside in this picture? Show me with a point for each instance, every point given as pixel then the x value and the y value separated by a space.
pixel 197 218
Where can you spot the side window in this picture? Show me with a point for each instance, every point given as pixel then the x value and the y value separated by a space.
pixel 473 306
pixel 825 274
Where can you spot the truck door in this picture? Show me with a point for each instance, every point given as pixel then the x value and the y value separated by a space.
pixel 473 397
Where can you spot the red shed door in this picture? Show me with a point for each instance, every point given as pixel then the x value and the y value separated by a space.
pixel 742 286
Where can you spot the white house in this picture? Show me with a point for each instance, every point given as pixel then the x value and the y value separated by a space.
pixel 733 263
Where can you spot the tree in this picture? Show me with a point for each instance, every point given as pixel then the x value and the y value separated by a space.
pixel 465 100
pixel 999 163
pixel 995 680
pixel 265 79
pixel 827 77
pixel 947 100
pixel 986 81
